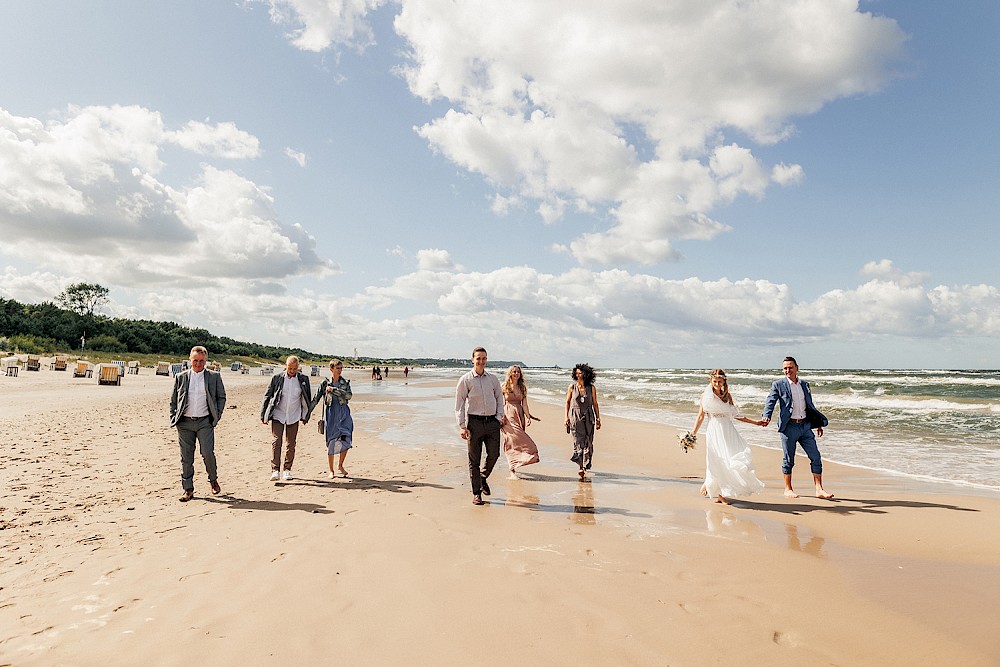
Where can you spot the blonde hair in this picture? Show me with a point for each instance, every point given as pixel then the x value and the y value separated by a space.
pixel 292 358
pixel 508 383
pixel 198 349
pixel 725 396
pixel 335 362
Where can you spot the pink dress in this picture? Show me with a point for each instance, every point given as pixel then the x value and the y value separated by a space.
pixel 518 446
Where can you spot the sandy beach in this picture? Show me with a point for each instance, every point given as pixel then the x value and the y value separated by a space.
pixel 100 565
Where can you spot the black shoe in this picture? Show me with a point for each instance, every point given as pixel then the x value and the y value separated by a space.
pixel 486 487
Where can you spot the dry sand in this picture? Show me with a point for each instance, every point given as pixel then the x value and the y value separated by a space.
pixel 100 565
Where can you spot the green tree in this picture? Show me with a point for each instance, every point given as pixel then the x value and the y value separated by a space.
pixel 83 298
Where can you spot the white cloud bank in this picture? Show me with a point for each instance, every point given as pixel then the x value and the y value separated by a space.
pixel 82 193
pixel 631 109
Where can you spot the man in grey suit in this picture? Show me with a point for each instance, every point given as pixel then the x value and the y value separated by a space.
pixel 196 406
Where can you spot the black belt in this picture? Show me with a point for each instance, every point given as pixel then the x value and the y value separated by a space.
pixel 194 418
pixel 482 418
pixel 798 421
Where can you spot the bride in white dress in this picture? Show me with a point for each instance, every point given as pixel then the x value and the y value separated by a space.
pixel 729 470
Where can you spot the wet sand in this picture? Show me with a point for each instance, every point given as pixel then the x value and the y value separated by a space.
pixel 101 565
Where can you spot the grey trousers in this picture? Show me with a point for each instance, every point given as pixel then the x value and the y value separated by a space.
pixel 202 431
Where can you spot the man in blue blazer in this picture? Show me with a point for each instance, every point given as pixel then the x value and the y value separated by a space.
pixel 794 403
pixel 196 406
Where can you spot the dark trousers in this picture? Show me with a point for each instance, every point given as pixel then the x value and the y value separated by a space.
pixel 482 432
pixel 290 431
pixel 188 432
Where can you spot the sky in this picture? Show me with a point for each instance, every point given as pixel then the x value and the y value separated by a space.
pixel 699 183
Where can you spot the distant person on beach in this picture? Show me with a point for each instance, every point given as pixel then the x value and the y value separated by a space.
pixel 287 402
pixel 387 372
pixel 196 406
pixel 406 372
pixel 518 446
pixel 729 467
pixel 480 415
pixel 797 417
pixel 338 425
pixel 583 416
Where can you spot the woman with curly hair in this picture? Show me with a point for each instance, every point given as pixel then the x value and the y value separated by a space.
pixel 729 467
pixel 583 416
pixel 518 446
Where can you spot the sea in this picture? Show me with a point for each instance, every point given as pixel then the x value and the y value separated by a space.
pixel 936 425
pixel 931 425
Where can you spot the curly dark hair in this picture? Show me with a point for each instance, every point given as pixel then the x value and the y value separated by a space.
pixel 588 374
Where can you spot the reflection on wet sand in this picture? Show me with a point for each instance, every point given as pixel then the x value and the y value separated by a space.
pixel 583 505
pixel 724 522
pixel 518 495
pixel 812 546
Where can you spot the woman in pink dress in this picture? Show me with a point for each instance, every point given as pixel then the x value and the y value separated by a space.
pixel 518 446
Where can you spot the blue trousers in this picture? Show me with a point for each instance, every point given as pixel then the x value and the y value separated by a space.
pixel 189 431
pixel 800 434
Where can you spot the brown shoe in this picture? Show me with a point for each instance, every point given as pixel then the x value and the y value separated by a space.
pixel 216 489
pixel 477 500
pixel 188 495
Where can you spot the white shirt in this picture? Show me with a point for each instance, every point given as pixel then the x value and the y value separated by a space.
pixel 478 395
pixel 197 396
pixel 798 401
pixel 289 407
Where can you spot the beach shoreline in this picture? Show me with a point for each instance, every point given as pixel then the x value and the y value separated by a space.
pixel 101 561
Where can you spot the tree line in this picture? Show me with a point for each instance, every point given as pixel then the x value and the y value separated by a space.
pixel 46 327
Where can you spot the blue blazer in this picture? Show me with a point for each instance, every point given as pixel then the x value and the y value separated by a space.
pixel 781 393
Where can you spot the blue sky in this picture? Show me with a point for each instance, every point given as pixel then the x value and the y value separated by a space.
pixel 631 184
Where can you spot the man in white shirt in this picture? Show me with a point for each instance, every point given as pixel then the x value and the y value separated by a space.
pixel 796 413
pixel 479 412
pixel 287 401
pixel 196 406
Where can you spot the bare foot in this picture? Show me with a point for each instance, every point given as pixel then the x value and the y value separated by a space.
pixel 722 500
pixel 790 494
pixel 703 491
pixel 343 473
pixel 820 493
pixel 583 473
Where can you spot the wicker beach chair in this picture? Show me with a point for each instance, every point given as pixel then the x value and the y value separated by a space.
pixel 133 368
pixel 110 374
pixel 83 369
pixel 33 363
pixel 59 364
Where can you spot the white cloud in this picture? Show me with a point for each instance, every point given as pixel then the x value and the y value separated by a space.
pixel 433 259
pixel 223 140
pixel 34 287
pixel 565 112
pixel 82 193
pixel 320 24
pixel 300 158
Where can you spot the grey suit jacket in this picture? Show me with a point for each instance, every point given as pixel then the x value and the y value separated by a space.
pixel 213 387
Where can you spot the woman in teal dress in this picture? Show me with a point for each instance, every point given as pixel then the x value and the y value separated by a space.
pixel 339 430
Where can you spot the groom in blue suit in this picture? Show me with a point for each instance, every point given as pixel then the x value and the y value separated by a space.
pixel 794 424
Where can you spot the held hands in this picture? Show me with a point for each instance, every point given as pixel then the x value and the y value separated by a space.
pixel 764 422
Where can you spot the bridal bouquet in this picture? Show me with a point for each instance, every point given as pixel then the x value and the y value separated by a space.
pixel 687 441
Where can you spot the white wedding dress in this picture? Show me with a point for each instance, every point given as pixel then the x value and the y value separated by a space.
pixel 729 470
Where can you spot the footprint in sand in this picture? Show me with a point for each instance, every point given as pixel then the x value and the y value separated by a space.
pixel 781 639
